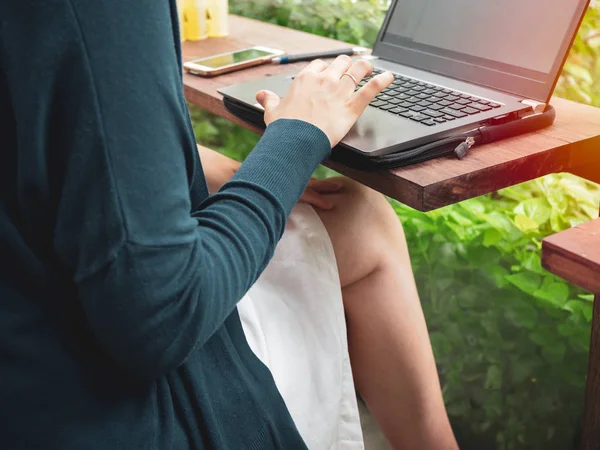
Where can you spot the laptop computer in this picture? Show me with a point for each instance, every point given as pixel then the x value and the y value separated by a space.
pixel 458 65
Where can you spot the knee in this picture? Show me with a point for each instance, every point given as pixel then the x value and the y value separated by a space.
pixel 365 218
pixel 370 209
pixel 365 232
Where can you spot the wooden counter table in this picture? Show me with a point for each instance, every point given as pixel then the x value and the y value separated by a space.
pixel 568 146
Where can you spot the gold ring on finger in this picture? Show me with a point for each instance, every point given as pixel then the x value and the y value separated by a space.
pixel 347 74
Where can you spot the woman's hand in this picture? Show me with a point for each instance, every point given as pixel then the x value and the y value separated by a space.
pixel 323 96
pixel 218 170
pixel 313 195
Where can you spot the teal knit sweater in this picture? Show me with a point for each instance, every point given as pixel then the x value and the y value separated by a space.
pixel 119 274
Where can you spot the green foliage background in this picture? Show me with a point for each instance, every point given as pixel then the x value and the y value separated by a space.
pixel 510 339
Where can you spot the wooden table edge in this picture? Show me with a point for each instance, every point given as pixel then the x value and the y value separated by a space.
pixel 570 264
pixel 452 186
pixel 554 258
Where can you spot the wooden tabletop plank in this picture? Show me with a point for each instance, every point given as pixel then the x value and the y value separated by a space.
pixel 574 255
pixel 572 144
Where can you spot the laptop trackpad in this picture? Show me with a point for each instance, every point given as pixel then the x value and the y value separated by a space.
pixel 376 130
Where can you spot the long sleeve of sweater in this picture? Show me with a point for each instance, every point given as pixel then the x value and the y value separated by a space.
pixel 156 274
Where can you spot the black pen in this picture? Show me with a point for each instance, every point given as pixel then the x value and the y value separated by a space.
pixel 288 59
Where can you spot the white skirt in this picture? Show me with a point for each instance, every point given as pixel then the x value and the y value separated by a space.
pixel 293 318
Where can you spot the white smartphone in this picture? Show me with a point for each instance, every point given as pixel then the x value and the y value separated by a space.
pixel 231 61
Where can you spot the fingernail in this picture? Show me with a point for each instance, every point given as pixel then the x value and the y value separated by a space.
pixel 331 184
pixel 326 206
pixel 332 187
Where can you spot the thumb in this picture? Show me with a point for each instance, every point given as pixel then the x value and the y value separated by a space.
pixel 268 100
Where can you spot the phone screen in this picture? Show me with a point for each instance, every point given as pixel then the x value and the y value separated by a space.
pixel 216 62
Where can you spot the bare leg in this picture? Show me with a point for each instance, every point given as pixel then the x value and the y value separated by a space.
pixel 390 352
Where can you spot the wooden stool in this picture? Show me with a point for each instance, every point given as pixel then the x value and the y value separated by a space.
pixel 574 255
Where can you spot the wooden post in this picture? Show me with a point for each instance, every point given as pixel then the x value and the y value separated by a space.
pixel 574 255
pixel 590 438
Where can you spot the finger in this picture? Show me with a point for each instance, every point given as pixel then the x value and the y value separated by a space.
pixel 337 68
pixel 315 66
pixel 359 69
pixel 324 186
pixel 315 199
pixel 361 99
pixel 268 100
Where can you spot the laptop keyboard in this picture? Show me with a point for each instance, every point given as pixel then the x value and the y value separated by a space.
pixel 426 103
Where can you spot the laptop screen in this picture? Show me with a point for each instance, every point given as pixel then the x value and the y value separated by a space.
pixel 491 41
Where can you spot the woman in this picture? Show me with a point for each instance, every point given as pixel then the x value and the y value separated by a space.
pixel 120 275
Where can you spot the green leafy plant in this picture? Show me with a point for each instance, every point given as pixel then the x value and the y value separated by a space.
pixel 583 65
pixel 510 339
pixel 350 21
